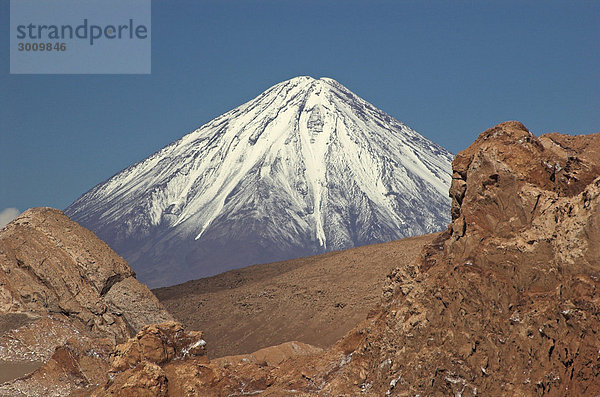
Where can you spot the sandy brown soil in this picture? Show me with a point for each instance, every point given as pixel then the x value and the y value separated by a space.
pixel 10 321
pixel 10 370
pixel 314 300
pixel 14 370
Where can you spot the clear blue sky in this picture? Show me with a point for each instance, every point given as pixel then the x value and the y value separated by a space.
pixel 449 69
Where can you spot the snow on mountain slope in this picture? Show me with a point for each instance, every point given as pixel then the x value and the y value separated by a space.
pixel 304 168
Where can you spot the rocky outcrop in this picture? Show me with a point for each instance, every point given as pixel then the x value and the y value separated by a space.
pixel 158 344
pixel 505 302
pixel 66 299
pixel 166 360
pixel 135 364
pixel 144 380
pixel 52 265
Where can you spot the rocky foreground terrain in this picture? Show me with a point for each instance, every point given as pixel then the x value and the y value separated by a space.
pixel 504 302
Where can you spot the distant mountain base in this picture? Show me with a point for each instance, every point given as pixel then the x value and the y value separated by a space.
pixel 314 300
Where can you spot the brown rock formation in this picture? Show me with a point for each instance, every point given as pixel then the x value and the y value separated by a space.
pixel 505 302
pixel 143 380
pixel 51 264
pixel 66 299
pixel 158 344
pixel 135 364
pixel 165 360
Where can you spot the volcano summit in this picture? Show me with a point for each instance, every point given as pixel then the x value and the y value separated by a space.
pixel 304 168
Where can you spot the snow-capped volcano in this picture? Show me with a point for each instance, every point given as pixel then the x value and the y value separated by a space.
pixel 305 167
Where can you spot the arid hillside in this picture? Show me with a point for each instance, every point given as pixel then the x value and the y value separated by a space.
pixel 315 300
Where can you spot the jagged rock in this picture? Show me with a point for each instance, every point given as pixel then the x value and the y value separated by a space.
pixel 143 380
pixel 505 301
pixel 66 299
pixel 158 344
